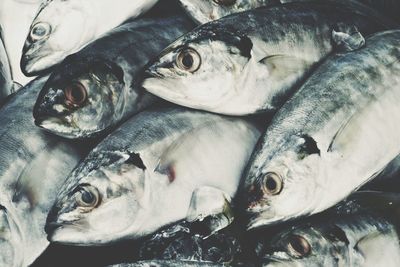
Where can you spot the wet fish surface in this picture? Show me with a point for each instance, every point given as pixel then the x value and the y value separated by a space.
pixel 33 164
pixel 205 11
pixel 97 88
pixel 6 83
pixel 53 37
pixel 336 133
pixel 141 177
pixel 243 68
pixel 353 233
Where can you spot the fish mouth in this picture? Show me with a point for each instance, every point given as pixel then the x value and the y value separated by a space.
pixel 58 126
pixel 51 227
pixel 35 64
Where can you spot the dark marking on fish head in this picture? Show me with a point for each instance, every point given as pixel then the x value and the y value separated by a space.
pixel 309 147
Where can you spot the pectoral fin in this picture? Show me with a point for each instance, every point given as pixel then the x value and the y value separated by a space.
pixel 211 206
pixel 347 38
pixel 283 67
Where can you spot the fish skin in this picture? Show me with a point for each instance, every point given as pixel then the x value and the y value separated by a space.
pixel 171 263
pixel 5 72
pixel 205 11
pixel 82 22
pixel 318 142
pixel 142 168
pixel 16 28
pixel 352 233
pixel 32 164
pixel 122 54
pixel 259 64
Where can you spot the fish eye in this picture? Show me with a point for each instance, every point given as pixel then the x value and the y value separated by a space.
pixel 39 31
pixel 189 60
pixel 87 196
pixel 298 246
pixel 75 94
pixel 272 183
pixel 225 2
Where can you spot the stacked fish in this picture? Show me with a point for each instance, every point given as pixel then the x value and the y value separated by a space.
pixel 130 137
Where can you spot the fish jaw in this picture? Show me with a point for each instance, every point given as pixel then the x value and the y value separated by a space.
pixel 35 62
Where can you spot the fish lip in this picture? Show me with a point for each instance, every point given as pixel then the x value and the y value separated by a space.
pixel 151 74
pixel 51 227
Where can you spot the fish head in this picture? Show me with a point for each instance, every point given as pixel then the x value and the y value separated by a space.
pixel 81 99
pixel 11 243
pixel 204 11
pixel 59 29
pixel 102 204
pixel 305 245
pixel 282 182
pixel 200 70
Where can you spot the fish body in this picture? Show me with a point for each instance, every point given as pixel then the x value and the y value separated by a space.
pixel 5 72
pixel 335 134
pixel 144 175
pixel 97 88
pixel 171 263
pixel 242 68
pixel 350 234
pixel 205 11
pixel 33 165
pixel 16 28
pixel 53 37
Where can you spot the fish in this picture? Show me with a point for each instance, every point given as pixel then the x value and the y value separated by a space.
pixel 33 164
pixel 205 11
pixel 171 263
pixel 52 37
pixel 147 173
pixel 335 134
pixel 16 17
pixel 243 68
pixel 97 88
pixel 6 83
pixel 353 233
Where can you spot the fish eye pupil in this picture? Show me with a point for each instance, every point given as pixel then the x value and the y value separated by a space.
pixel 75 94
pixel 299 246
pixel 87 197
pixel 39 30
pixel 272 183
pixel 187 60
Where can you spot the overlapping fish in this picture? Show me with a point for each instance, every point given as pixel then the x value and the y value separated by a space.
pixel 336 133
pixel 33 165
pixel 53 36
pixel 98 87
pixel 242 68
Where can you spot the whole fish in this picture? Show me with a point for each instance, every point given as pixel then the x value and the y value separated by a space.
pixel 97 88
pixel 16 17
pixel 354 233
pixel 53 36
pixel 242 68
pixel 336 133
pixel 147 173
pixel 33 165
pixel 203 11
pixel 6 84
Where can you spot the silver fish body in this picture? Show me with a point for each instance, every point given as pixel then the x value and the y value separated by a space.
pixel 205 11
pixel 146 173
pixel 53 37
pixel 98 87
pixel 335 134
pixel 243 68
pixel 5 72
pixel 170 263
pixel 33 164
pixel 353 233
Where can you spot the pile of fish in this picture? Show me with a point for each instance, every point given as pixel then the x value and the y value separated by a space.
pixel 199 133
